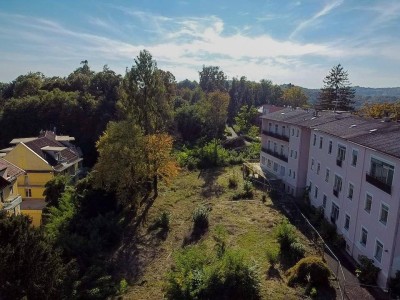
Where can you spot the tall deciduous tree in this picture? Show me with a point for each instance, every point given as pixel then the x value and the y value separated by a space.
pixel 147 94
pixel 212 79
pixel 294 96
pixel 215 113
pixel 246 118
pixel 337 92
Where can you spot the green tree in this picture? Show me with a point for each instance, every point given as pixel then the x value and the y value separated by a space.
pixel 54 188
pixel 29 266
pixel 215 112
pixel 28 85
pixel 212 79
pixel 337 92
pixel 246 118
pixel 294 96
pixel 147 94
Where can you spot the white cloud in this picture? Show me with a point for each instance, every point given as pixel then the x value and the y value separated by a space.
pixel 323 12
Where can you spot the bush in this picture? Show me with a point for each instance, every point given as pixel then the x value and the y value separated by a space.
pixel 233 181
pixel 162 221
pixel 198 275
pixel 248 188
pixel 313 293
pixel 313 266
pixel 286 235
pixel 273 256
pixel 368 272
pixel 327 230
pixel 296 251
pixel 200 219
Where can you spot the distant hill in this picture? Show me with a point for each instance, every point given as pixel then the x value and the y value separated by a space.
pixel 364 94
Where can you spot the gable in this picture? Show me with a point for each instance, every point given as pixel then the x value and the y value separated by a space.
pixel 26 159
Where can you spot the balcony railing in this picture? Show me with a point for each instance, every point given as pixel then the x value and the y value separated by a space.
pixel 339 162
pixel 276 135
pixel 275 154
pixel 336 193
pixel 12 202
pixel 378 183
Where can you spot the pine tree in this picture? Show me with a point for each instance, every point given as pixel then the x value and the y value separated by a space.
pixel 337 93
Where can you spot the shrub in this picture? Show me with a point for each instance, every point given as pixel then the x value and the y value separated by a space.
pixel 286 235
pixel 233 181
pixel 123 286
pixel 163 221
pixel 200 219
pixel 313 293
pixel 368 272
pixel 296 251
pixel 313 266
pixel 219 236
pixel 273 256
pixel 248 188
pixel 327 230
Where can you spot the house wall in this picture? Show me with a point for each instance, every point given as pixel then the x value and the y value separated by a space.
pixel 355 207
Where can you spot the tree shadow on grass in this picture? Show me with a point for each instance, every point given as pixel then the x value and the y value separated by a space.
pixel 273 273
pixel 211 187
pixel 194 236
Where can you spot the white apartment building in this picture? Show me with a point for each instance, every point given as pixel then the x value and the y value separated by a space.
pixel 351 165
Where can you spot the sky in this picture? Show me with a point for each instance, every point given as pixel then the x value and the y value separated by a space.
pixel 294 42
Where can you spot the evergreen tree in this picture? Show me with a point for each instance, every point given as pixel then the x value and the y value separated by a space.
pixel 337 92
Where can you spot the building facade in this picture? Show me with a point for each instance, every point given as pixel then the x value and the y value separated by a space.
pixel 10 199
pixel 41 158
pixel 352 165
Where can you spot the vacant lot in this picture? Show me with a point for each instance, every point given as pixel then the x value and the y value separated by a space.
pixel 250 225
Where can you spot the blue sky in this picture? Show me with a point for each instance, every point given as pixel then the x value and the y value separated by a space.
pixel 284 41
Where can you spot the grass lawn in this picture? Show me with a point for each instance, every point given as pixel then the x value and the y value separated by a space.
pixel 250 225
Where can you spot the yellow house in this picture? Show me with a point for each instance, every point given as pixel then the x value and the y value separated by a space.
pixel 41 158
pixel 10 200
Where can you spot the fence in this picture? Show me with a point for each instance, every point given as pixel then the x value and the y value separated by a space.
pixel 347 283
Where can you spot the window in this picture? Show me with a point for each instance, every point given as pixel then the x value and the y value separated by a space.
pixel 270 127
pixel 282 171
pixel 347 222
pixel 354 157
pixel 324 200
pixel 269 145
pixel 269 163
pixel 314 140
pixel 334 213
pixel 294 174
pixel 276 128
pixel 327 175
pixel 28 193
pixel 284 130
pixel 290 172
pixel 341 156
pixel 263 160
pixel 275 147
pixel 382 171
pixel 368 203
pixel 275 167
pixel 297 133
pixel 312 163
pixel 378 251
pixel 292 131
pixel 384 214
pixel 351 191
pixel 316 192
pixel 364 237
pixel 318 168
pixel 291 153
pixel 295 154
pixel 337 185
pixel 321 139
pixel 281 149
pixel 330 147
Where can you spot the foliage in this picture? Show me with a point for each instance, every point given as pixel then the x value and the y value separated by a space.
pixel 312 267
pixel 246 117
pixel 199 275
pixel 212 79
pixel 29 265
pixel 219 236
pixel 381 110
pixel 337 93
pixel 233 181
pixel 286 235
pixel 313 292
pixel 368 272
pixel 54 188
pixel 163 221
pixel 246 193
pixel 294 97
pixel 214 112
pixel 200 219
pixel 272 256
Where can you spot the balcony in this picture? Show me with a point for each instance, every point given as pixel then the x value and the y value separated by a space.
pixel 378 183
pixel 12 202
pixel 276 135
pixel 275 154
pixel 336 193
pixel 339 162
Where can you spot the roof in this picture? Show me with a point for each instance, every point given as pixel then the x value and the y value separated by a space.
pixel 12 170
pixel 56 149
pixel 372 133
pixel 64 138
pixel 22 140
pixel 6 150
